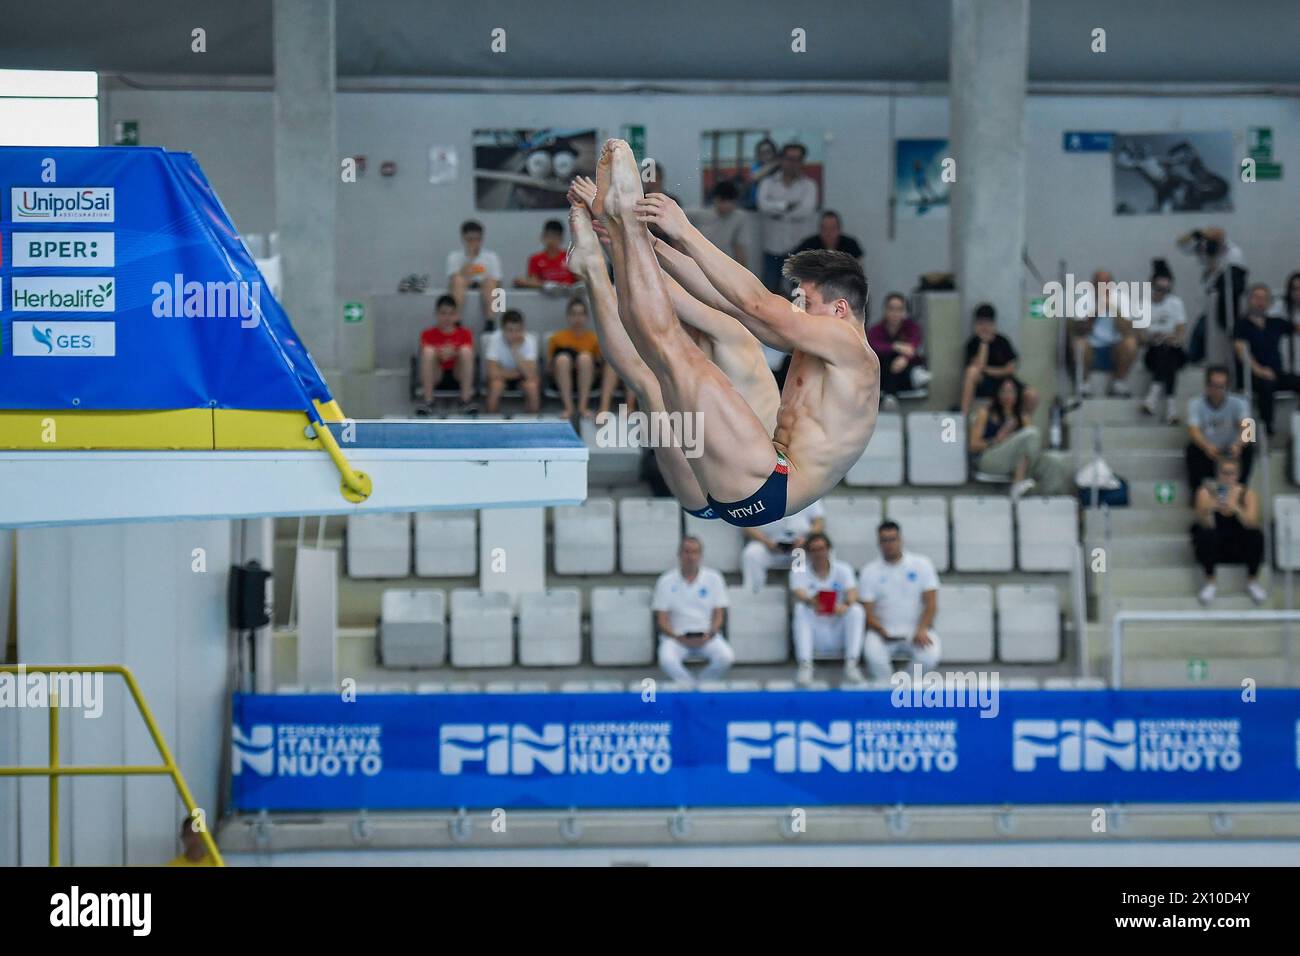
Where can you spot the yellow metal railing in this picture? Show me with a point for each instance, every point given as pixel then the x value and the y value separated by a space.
pixel 55 770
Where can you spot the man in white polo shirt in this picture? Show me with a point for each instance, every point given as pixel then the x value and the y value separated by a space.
pixel 689 603
pixel 899 591
pixel 773 545
pixel 827 616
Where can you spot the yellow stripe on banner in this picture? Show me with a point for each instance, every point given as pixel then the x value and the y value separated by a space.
pixel 72 430
pixel 190 429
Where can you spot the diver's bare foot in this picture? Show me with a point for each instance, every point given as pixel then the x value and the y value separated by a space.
pixel 585 255
pixel 603 166
pixel 623 188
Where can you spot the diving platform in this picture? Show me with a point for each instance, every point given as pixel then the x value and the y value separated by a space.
pixel 416 465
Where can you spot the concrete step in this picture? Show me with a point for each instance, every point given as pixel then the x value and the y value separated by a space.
pixel 1215 671
pixel 1166 519
pixel 1186 640
pixel 1153 463
pixel 1115 437
pixel 1150 550
pixel 1122 411
pixel 1179 580
pixel 1225 600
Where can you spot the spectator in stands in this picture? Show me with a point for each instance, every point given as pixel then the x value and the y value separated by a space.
pixel 193 850
pixel 1164 338
pixel 1260 335
pixel 773 545
pixel 511 356
pixel 1105 338
pixel 689 604
pixel 448 346
pixel 829 236
pixel 786 205
pixel 474 267
pixel 896 340
pixel 722 223
pixel 900 593
pixel 827 616
pixel 549 268
pixel 1223 282
pixel 574 359
pixel 1288 305
pixel 1227 530
pixel 1216 428
pixel 990 358
pixel 767 162
pixel 1003 441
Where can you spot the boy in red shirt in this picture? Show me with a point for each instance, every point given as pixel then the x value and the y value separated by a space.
pixel 550 266
pixel 450 347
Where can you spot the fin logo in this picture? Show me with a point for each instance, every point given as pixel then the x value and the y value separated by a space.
pixel 253 750
pixel 1087 745
pixel 793 747
pixel 515 750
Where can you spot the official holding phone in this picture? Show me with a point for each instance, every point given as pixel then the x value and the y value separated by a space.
pixel 689 604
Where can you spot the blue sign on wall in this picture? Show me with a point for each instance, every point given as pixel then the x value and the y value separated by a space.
pixel 761 749
pixel 1079 141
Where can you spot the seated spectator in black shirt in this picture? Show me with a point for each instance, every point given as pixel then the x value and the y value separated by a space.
pixel 1227 530
pixel 990 358
pixel 829 236
pixel 1261 334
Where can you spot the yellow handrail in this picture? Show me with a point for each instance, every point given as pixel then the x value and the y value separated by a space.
pixel 55 770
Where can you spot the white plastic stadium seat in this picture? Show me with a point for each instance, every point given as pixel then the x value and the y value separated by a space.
pixel 982 539
pixel 722 542
pixel 413 628
pixel 1286 529
pixel 965 623
pixel 851 522
pixel 923 522
pixel 379 545
pixel 930 459
pixel 649 531
pixel 758 625
pixel 584 537
pixel 446 544
pixel 1048 533
pixel 622 627
pixel 1295 448
pixel 482 628
pixel 550 628
pixel 1029 623
pixel 882 461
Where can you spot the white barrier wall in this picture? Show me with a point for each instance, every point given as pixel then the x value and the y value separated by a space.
pixel 152 597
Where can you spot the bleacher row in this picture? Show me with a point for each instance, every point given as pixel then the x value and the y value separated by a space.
pixel 636 535
pixel 415 630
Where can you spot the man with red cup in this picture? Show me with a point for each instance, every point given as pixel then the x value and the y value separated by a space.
pixel 827 616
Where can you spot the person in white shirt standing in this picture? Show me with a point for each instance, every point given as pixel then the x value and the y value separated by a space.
pixel 511 356
pixel 827 616
pixel 474 267
pixel 899 592
pixel 773 545
pixel 787 207
pixel 1164 338
pixel 689 604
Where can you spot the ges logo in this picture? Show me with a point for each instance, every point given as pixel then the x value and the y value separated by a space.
pixel 63 341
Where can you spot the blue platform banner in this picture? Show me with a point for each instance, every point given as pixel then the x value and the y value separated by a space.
pixel 1080 141
pixel 436 751
pixel 125 286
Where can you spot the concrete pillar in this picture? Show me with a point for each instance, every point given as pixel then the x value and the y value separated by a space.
pixel 307 170
pixel 988 62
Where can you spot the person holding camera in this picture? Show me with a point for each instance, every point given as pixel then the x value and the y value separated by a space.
pixel 1223 281
pixel 1227 530
pixel 690 602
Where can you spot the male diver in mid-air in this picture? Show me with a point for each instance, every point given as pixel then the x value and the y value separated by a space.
pixel 750 474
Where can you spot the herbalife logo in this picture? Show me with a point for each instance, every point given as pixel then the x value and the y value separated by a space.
pixel 75 204
pixel 208 300
pixel 64 294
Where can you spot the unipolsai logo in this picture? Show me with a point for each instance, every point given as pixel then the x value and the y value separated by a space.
pixel 501 749
pixel 254 749
pixel 792 746
pixel 1087 745
pixel 73 204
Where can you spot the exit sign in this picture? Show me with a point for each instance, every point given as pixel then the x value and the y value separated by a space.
pixel 353 312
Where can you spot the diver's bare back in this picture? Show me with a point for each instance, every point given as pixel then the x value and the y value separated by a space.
pixel 827 416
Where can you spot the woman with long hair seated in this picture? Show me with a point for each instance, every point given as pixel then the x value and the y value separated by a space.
pixel 1003 441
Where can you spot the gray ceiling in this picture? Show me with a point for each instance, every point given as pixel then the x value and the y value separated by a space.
pixel 1248 41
